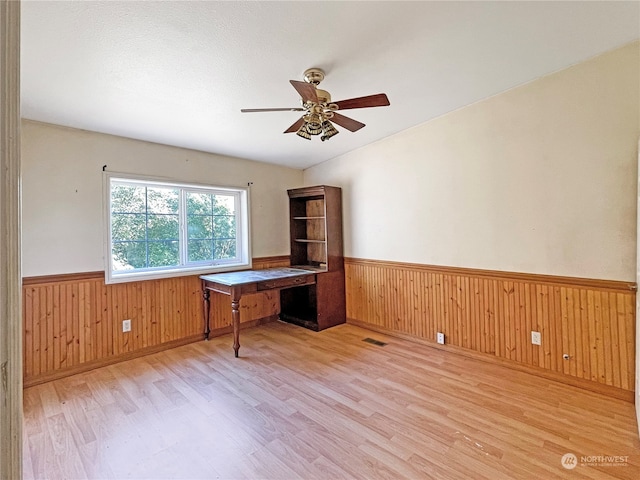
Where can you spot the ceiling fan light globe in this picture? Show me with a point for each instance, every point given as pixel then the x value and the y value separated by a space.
pixel 303 133
pixel 328 130
pixel 328 136
pixel 314 123
pixel 314 128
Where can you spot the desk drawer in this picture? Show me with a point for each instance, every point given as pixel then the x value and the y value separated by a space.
pixel 287 282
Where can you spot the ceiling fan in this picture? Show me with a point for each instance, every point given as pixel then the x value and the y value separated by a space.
pixel 320 111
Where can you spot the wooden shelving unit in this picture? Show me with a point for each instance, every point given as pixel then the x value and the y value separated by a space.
pixel 315 223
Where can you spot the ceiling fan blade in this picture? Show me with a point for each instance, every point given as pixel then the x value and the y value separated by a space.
pixel 306 91
pixel 378 100
pixel 346 122
pixel 296 126
pixel 253 110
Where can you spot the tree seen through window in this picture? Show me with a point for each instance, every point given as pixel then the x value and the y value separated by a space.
pixel 145 226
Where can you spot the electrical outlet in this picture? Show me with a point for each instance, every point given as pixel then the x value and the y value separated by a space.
pixel 536 338
pixel 440 338
pixel 126 325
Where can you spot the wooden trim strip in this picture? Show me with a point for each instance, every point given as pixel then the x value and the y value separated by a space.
pixel 103 362
pixel 614 392
pixel 79 276
pixel 63 277
pixel 615 285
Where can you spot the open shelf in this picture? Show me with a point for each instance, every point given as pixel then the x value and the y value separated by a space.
pixel 315 223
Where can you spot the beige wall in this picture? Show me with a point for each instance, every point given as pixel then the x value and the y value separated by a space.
pixel 539 179
pixel 63 200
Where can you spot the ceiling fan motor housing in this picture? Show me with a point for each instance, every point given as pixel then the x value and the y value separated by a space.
pixel 313 75
pixel 323 96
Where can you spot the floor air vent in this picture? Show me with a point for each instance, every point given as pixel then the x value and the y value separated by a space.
pixel 375 342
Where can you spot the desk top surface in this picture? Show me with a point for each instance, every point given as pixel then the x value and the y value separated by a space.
pixel 252 276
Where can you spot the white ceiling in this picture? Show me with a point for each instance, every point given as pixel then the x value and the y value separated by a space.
pixel 178 73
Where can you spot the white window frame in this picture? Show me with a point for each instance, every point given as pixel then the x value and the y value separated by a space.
pixel 243 233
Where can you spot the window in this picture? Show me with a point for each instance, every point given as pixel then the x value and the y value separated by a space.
pixel 158 229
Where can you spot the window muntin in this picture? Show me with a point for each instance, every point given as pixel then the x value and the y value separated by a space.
pixel 158 229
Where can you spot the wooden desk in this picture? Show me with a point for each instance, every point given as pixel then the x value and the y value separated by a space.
pixel 236 284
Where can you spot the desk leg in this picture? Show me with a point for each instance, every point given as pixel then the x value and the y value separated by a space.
pixel 235 318
pixel 207 309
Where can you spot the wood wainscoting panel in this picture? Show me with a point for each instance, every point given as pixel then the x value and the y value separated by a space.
pixel 75 320
pixel 592 321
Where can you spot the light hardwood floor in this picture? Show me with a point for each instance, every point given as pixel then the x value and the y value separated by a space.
pixel 301 404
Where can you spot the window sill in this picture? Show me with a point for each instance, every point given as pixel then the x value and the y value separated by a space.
pixel 178 272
